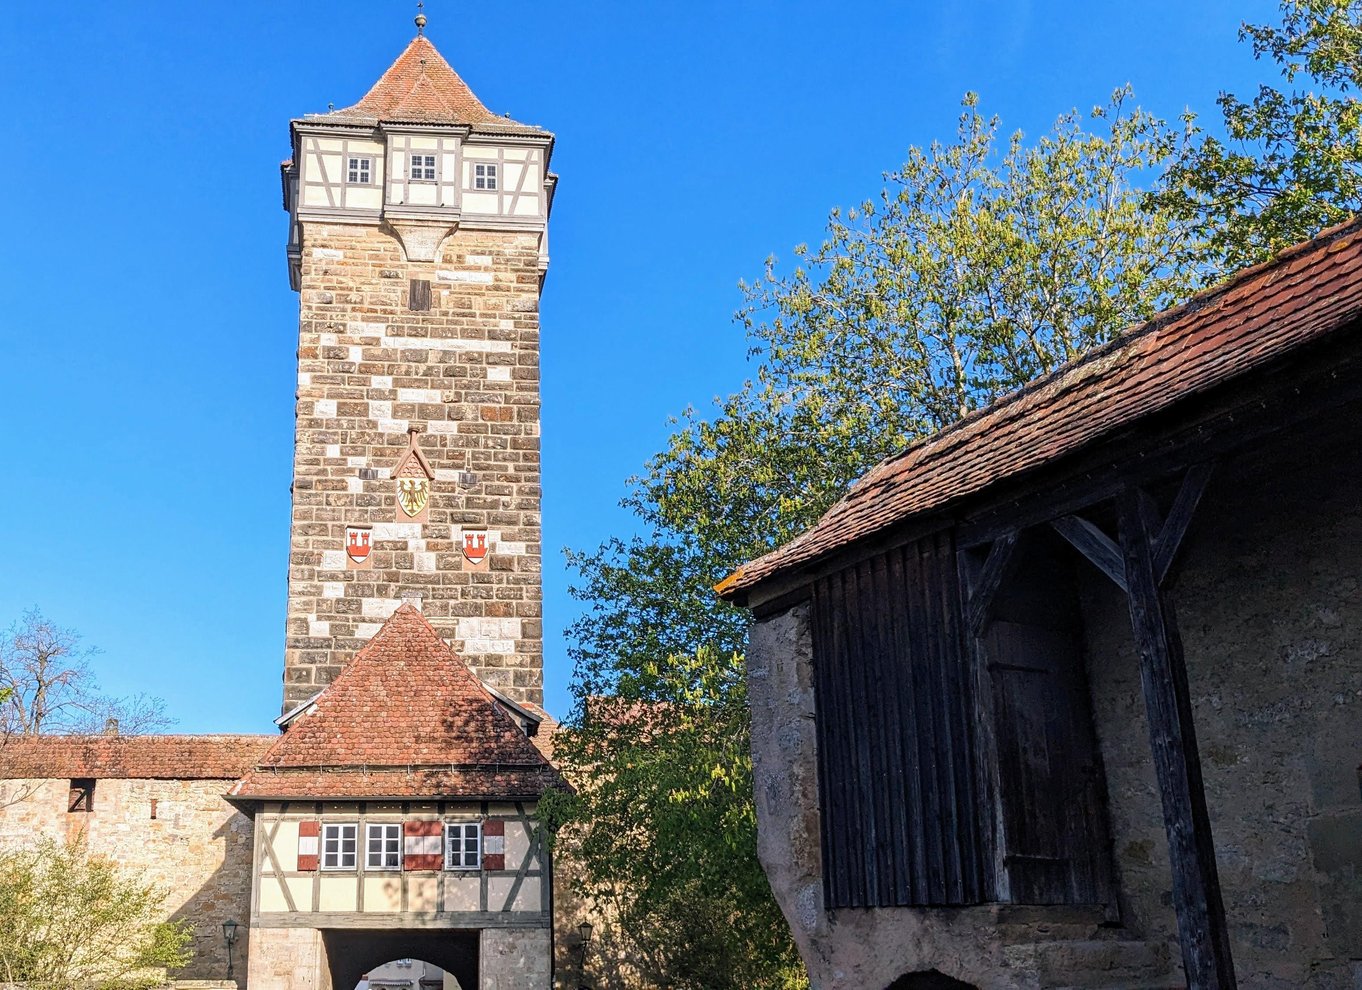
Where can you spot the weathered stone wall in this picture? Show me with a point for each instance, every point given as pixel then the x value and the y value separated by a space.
pixel 843 950
pixel 197 849
pixel 466 372
pixel 516 959
pixel 1270 607
pixel 1269 603
pixel 289 959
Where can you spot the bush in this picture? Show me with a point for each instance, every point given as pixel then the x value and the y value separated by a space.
pixel 71 919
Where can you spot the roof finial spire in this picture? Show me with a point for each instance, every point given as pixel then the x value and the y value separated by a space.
pixel 420 17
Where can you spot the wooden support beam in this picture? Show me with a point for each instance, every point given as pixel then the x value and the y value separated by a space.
pixel 1202 931
pixel 991 576
pixel 1099 548
pixel 1179 518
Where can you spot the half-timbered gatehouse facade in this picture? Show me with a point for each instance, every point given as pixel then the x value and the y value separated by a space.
pixel 1070 693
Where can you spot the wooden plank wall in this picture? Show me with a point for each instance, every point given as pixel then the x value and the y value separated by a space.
pixel 897 785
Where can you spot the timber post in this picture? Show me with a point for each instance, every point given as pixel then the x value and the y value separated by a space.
pixel 1202 930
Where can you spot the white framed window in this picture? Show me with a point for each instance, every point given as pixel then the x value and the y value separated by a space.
pixel 484 176
pixel 339 843
pixel 423 168
pixel 383 847
pixel 463 845
pixel 359 171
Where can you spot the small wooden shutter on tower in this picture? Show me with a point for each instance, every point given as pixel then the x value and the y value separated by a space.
pixel 309 839
pixel 494 844
pixel 423 845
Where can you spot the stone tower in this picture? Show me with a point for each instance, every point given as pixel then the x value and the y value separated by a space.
pixel 418 227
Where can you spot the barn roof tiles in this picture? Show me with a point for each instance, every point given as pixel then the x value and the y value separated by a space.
pixel 1303 294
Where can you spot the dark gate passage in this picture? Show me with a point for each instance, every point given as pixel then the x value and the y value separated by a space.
pixel 350 953
pixel 897 780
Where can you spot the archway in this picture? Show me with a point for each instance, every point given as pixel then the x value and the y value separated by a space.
pixel 928 980
pixel 351 953
pixel 409 974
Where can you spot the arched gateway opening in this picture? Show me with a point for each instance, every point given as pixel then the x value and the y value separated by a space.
pixel 408 974
pixel 351 954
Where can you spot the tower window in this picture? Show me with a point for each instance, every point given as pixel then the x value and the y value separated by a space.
pixel 338 846
pixel 423 168
pixel 359 171
pixel 463 845
pixel 384 847
pixel 484 176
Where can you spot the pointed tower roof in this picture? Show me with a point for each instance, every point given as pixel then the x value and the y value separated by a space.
pixel 406 718
pixel 422 88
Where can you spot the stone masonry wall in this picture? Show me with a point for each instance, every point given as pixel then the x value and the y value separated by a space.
pixel 466 373
pixel 1269 605
pixel 197 848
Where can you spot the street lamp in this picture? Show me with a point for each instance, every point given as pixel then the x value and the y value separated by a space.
pixel 584 931
pixel 229 935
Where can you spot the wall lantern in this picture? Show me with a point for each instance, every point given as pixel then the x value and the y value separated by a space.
pixel 229 935
pixel 583 930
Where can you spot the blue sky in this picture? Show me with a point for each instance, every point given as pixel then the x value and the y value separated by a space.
pixel 147 328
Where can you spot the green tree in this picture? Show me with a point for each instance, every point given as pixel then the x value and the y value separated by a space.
pixel 983 263
pixel 70 919
pixel 1291 160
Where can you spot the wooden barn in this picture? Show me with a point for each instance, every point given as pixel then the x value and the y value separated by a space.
pixel 1070 693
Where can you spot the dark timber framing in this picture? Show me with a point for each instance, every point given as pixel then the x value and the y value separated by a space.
pixel 1103 502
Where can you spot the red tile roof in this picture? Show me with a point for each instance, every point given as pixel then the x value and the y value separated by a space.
pixel 404 718
pixel 422 88
pixel 136 757
pixel 1303 294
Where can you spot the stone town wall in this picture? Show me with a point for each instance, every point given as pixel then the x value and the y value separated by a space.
pixel 466 373
pixel 197 849
pixel 1269 604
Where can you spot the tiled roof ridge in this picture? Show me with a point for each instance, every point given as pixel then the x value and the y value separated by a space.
pixel 405 716
pixel 1070 377
pixel 420 86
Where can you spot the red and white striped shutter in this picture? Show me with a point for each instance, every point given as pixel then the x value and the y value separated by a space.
pixel 309 841
pixel 423 845
pixel 494 844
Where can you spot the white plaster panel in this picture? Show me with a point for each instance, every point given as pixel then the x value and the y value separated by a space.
pixel 462 893
pixel 324 408
pixel 335 254
pixel 333 589
pixel 333 560
pixel 498 373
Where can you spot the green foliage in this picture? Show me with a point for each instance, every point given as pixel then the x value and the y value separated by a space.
pixel 1291 163
pixel 983 263
pixel 70 919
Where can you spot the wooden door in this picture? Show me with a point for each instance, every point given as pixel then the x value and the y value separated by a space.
pixel 1051 788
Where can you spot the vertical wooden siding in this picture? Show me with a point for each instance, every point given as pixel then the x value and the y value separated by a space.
pixel 894 715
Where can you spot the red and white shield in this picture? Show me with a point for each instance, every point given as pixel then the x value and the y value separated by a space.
pixel 474 547
pixel 358 543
